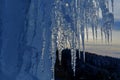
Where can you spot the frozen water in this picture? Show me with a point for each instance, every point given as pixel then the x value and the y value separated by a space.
pixel 81 14
pixel 36 28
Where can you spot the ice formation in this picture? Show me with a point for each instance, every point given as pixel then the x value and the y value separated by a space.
pixel 36 28
pixel 71 18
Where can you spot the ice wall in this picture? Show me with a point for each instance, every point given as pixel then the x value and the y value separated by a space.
pixel 25 39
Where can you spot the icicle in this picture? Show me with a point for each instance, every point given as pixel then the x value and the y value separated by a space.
pixel 93 34
pixel 112 3
pixel 107 3
pixel 87 31
pixel 101 33
pixel 78 25
pixel 53 50
pixel 83 45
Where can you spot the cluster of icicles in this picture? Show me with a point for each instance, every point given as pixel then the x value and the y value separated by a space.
pixel 70 21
